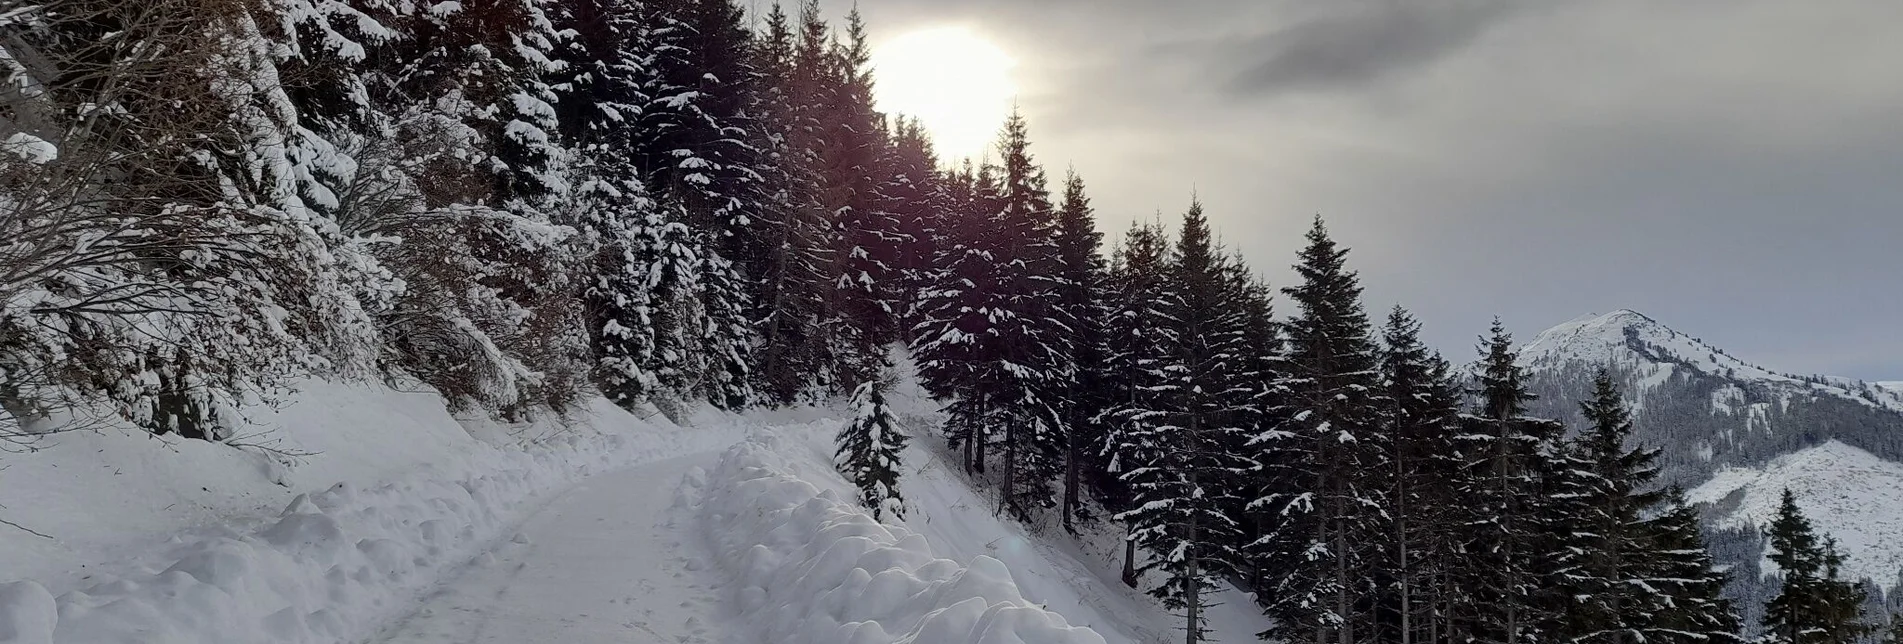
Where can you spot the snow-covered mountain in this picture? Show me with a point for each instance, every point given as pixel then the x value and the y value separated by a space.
pixel 1735 434
pixel 1706 408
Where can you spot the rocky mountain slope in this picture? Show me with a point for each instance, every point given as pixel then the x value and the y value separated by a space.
pixel 1706 408
pixel 1735 435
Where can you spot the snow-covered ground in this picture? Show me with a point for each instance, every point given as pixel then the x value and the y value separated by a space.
pixel 605 562
pixel 1845 491
pixel 736 529
pixel 150 539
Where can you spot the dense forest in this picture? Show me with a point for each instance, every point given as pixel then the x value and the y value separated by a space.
pixel 674 202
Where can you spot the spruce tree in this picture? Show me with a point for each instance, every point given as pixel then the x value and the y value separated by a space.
pixel 1185 461
pixel 1691 601
pixel 1812 606
pixel 1079 309
pixel 692 144
pixel 870 451
pixel 1326 511
pixel 1631 565
pixel 1419 417
pixel 1030 355
pixel 1136 333
pixel 792 237
pixel 1508 537
pixel 856 158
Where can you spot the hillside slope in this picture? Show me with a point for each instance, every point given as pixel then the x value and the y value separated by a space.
pixel 1849 492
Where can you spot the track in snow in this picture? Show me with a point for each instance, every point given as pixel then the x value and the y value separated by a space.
pixel 603 562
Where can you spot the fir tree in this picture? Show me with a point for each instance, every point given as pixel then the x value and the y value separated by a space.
pixel 1418 420
pixel 870 449
pixel 1079 308
pixel 1135 333
pixel 1507 537
pixel 1326 510
pixel 1184 447
pixel 1813 606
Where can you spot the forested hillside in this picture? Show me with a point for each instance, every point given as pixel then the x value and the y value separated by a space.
pixel 522 203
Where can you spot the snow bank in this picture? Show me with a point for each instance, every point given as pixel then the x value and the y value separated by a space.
pixel 333 565
pixel 808 567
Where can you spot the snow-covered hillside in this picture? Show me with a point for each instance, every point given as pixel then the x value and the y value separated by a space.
pixel 1845 491
pixel 403 525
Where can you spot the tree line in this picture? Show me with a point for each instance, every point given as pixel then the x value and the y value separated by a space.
pixel 1361 487
pixel 515 202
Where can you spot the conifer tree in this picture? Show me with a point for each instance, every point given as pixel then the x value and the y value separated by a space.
pixel 1691 598
pixel 1029 355
pixel 870 448
pixel 1508 537
pixel 1631 565
pixel 1813 606
pixel 1325 508
pixel 1418 419
pixel 1079 309
pixel 950 339
pixel 792 237
pixel 692 144
pixel 914 194
pixel 857 155
pixel 1135 333
pixel 1183 447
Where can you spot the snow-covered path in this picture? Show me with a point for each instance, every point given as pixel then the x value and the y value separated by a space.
pixel 603 562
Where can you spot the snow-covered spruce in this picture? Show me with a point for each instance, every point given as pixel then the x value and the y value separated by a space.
pixel 807 567
pixel 869 449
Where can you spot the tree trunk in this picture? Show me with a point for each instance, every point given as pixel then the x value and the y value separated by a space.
pixel 978 435
pixel 1129 562
pixel 1192 590
pixel 1010 504
pixel 1072 474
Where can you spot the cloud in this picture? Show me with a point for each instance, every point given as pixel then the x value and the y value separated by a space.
pixel 1727 166
pixel 1368 41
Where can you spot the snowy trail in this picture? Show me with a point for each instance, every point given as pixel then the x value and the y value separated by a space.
pixel 603 562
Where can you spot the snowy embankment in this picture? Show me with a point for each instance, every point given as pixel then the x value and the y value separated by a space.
pixel 807 566
pixel 421 496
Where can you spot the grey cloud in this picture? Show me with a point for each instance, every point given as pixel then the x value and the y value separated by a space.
pixel 1362 42
pixel 1727 166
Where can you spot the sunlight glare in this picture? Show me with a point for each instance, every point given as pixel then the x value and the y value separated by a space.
pixel 954 81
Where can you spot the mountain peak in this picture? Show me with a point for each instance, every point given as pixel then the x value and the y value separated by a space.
pixel 1594 337
pixel 1630 341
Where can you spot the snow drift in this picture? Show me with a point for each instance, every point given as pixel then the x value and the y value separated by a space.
pixel 808 567
pixel 335 564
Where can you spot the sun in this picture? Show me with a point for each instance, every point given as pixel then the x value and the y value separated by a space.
pixel 953 80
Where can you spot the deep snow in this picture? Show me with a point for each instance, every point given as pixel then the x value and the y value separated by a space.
pixel 735 529
pixel 604 562
pixel 420 495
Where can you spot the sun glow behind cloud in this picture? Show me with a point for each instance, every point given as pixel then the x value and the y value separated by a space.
pixel 953 80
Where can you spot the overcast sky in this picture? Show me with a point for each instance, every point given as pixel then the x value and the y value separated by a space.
pixel 1733 168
